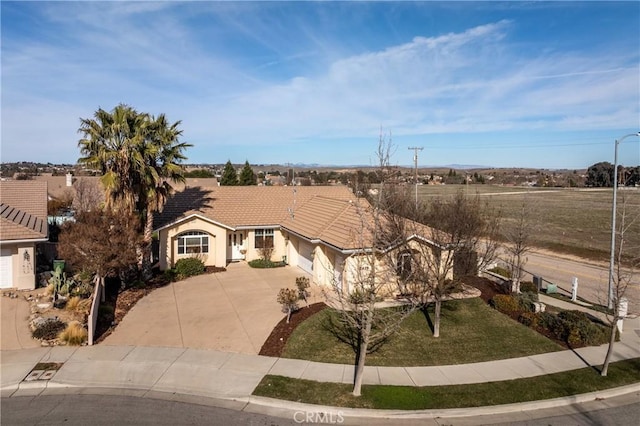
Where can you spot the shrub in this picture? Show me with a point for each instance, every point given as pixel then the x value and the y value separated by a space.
pixel 170 275
pixel 189 267
pixel 505 303
pixel 74 334
pixel 84 289
pixel 526 301
pixel 288 298
pixel 501 271
pixel 530 319
pixel 262 263
pixel 547 320
pixel 48 328
pixel 72 303
pixel 528 287
pixel 302 283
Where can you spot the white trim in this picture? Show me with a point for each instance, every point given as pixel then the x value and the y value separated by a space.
pixel 252 227
pixel 35 240
pixel 191 216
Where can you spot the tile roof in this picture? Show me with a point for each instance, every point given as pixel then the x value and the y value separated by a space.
pixel 336 222
pixel 347 224
pixel 239 206
pixel 23 210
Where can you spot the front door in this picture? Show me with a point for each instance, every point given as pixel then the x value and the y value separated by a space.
pixel 236 246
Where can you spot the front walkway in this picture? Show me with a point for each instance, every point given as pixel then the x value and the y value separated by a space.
pixel 233 311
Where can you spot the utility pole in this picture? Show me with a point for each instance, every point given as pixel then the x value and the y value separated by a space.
pixel 415 162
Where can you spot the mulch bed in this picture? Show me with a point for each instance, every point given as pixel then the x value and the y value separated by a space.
pixel 488 289
pixel 275 343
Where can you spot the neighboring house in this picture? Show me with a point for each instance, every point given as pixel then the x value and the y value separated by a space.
pixel 320 229
pixel 23 224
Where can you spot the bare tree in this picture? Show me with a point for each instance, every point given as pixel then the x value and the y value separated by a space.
pixel 89 196
pixel 518 237
pixel 453 238
pixel 627 261
pixel 100 242
pixel 359 321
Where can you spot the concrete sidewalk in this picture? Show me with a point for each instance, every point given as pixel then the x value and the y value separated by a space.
pixel 230 378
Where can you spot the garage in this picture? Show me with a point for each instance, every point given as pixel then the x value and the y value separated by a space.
pixel 305 257
pixel 6 268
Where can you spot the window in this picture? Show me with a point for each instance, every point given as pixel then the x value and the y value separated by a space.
pixel 193 242
pixel 264 238
pixel 403 265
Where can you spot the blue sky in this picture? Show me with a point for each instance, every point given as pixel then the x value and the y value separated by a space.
pixel 523 84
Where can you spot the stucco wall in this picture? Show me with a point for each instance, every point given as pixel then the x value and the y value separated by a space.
pixel 23 266
pixel 219 249
pixel 169 245
pixel 279 246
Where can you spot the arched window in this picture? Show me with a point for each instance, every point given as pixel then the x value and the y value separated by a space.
pixel 193 242
pixel 403 265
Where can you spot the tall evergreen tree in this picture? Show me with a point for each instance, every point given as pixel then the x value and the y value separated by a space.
pixel 229 175
pixel 138 155
pixel 247 177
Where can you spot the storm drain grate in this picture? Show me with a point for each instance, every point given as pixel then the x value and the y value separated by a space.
pixel 43 371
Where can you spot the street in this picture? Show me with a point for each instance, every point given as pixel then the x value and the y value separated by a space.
pixel 592 277
pixel 129 410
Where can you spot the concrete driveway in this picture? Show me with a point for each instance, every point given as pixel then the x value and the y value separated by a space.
pixel 15 324
pixel 229 311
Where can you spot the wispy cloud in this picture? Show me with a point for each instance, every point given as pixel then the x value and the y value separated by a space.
pixel 253 74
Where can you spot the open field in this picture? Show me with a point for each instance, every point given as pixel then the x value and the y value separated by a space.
pixel 571 220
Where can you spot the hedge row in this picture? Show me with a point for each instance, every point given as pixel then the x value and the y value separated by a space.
pixel 575 328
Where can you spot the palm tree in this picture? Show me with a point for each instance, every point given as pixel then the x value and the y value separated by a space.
pixel 106 145
pixel 138 155
pixel 161 153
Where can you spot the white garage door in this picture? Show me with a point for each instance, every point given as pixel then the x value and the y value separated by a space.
pixel 305 261
pixel 6 271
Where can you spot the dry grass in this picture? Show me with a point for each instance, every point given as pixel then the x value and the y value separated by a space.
pixel 74 334
pixel 73 303
pixel 78 305
pixel 574 221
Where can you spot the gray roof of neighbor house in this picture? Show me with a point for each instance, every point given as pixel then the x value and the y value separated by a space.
pixel 244 206
pixel 23 210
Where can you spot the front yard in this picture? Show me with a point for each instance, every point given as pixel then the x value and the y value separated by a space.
pixel 471 331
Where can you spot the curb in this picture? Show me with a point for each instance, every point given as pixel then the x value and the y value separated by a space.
pixel 284 408
pixel 289 409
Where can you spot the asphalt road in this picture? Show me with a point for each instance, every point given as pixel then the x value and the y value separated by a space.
pixel 592 277
pixel 127 410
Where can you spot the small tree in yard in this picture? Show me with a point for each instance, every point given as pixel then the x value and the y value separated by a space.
pixel 461 236
pixel 100 242
pixel 627 250
pixel 358 321
pixel 518 236
pixel 288 298
pixel 302 284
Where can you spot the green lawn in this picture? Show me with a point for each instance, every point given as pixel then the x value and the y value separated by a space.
pixel 456 396
pixel 470 332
